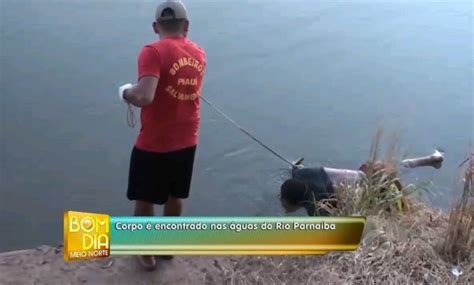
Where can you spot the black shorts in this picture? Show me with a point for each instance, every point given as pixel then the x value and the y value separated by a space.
pixel 155 176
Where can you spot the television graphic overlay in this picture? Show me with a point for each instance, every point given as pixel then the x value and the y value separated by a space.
pixel 86 236
pixel 92 236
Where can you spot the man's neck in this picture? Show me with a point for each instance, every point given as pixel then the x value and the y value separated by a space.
pixel 170 36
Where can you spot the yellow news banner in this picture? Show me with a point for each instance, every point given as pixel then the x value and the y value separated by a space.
pixel 91 235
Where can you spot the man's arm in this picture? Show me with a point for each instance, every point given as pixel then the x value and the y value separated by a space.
pixel 435 160
pixel 347 177
pixel 142 93
pixel 149 67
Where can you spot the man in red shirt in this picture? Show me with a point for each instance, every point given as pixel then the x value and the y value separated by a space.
pixel 170 74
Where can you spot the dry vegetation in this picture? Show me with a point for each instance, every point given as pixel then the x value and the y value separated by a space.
pixel 417 245
pixel 458 244
pixel 412 244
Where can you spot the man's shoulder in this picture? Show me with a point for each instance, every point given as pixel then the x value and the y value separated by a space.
pixel 196 47
pixel 156 45
pixel 171 44
pixel 307 172
pixel 160 45
pixel 150 48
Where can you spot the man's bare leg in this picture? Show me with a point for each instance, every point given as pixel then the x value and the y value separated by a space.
pixel 143 208
pixel 173 207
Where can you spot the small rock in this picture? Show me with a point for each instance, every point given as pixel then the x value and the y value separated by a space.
pixel 107 264
pixel 67 268
pixel 456 271
pixel 209 279
pixel 58 248
pixel 42 262
pixel 217 265
pixel 43 248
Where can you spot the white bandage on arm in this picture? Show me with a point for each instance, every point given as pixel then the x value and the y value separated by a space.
pixel 346 177
pixel 122 90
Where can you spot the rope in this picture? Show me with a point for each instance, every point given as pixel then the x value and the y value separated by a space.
pixel 130 116
pixel 131 124
pixel 247 132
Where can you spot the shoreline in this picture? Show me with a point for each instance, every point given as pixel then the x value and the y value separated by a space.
pixel 45 265
pixel 405 252
pixel 419 245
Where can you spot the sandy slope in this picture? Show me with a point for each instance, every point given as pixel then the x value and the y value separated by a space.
pixel 45 265
pixel 399 249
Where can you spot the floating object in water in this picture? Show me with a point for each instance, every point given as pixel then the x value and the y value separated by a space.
pixel 298 163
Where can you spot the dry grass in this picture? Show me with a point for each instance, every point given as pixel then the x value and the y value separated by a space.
pixel 459 241
pixel 389 254
pixel 416 246
pixel 378 194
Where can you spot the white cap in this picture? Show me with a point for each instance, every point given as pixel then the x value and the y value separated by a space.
pixel 171 10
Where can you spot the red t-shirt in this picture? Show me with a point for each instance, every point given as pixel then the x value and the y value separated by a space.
pixel 171 121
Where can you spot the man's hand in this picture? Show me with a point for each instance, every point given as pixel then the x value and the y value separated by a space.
pixel 437 159
pixel 142 93
pixel 122 90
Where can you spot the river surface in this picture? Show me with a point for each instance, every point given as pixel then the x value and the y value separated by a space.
pixel 309 78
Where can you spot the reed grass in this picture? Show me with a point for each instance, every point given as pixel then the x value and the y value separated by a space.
pixel 458 243
pixel 418 245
